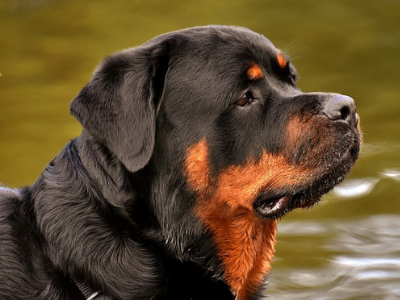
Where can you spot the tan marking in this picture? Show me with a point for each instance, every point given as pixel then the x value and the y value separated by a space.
pixel 281 60
pixel 254 72
pixel 197 165
pixel 245 242
pixel 316 134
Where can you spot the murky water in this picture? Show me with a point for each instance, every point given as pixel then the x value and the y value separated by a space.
pixel 348 247
pixel 346 259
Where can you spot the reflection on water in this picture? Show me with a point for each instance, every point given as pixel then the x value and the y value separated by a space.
pixel 355 187
pixel 363 261
pixel 391 173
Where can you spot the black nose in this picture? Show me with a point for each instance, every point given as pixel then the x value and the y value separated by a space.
pixel 340 107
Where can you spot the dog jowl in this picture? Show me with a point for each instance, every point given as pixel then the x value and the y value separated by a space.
pixel 193 146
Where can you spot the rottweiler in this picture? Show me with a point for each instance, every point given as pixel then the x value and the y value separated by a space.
pixel 194 145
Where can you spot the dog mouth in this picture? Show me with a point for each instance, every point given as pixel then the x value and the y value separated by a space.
pixel 272 207
pixel 275 204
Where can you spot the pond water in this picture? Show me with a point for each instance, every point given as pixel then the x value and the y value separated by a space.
pixel 348 247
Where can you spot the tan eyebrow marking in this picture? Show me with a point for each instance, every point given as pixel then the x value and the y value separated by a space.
pixel 281 60
pixel 254 72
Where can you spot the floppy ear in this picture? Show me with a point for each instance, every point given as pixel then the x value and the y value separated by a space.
pixel 119 105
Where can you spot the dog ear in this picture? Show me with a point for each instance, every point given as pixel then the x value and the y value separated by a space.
pixel 119 105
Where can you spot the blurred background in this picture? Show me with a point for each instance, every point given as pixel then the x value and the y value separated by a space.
pixel 348 247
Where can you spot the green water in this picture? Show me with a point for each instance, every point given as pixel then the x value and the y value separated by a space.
pixel 346 248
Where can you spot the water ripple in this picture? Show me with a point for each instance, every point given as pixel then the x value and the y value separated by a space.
pixel 355 187
pixel 363 261
pixel 378 235
pixel 391 173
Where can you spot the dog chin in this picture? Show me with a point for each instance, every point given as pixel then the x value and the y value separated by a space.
pixel 275 205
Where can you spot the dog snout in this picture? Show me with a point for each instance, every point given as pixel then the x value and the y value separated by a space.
pixel 340 108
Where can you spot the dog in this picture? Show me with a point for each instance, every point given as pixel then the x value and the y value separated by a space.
pixel 194 145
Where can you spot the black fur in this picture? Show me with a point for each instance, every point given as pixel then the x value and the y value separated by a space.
pixel 113 209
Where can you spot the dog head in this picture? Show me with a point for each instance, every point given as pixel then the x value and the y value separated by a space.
pixel 231 141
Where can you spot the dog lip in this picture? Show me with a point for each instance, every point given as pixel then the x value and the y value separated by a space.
pixel 305 202
pixel 272 207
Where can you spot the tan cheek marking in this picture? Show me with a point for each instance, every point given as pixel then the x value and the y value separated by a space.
pixel 238 186
pixel 245 242
pixel 197 167
pixel 281 60
pixel 254 72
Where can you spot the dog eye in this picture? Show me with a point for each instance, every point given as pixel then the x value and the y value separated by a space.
pixel 245 100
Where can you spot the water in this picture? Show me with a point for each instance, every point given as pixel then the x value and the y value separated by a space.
pixel 348 247
pixel 353 259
